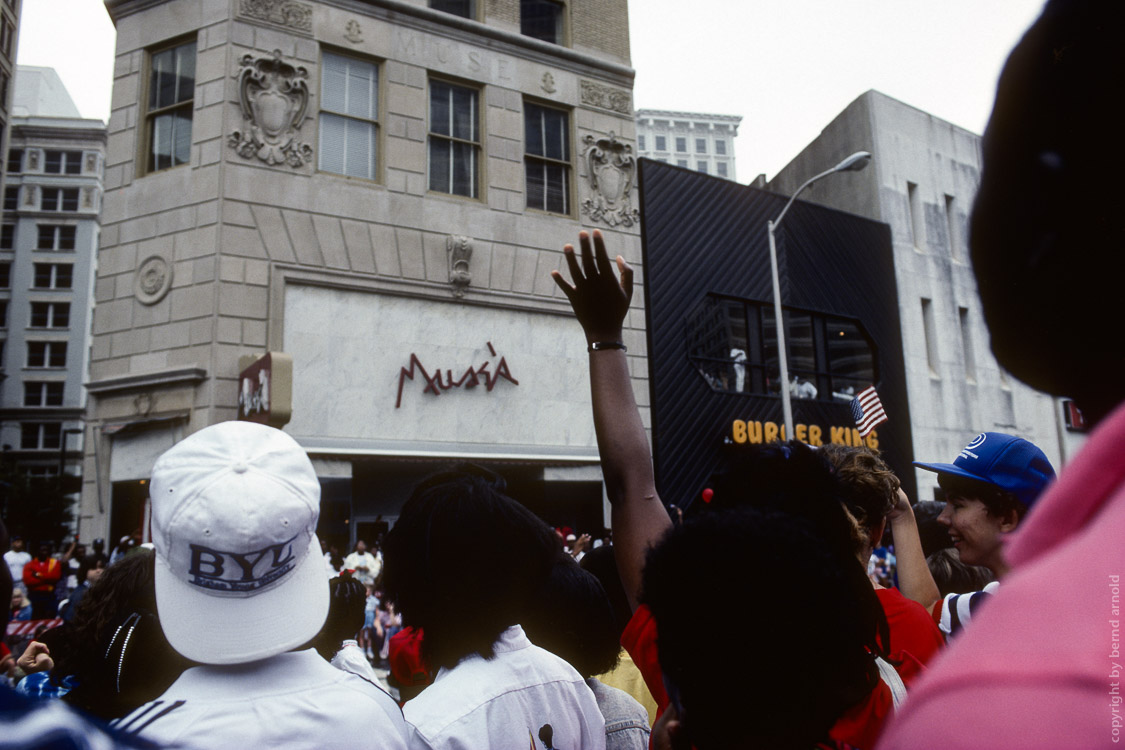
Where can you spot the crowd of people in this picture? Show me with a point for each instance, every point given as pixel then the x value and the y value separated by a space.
pixel 755 620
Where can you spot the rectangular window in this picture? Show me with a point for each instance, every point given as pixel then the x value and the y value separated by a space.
pixel 661 143
pixel 40 436
pixel 967 345
pixel 3 313
pixel 349 112
pixel 721 147
pixel 171 94
pixel 53 275
pixel 721 169
pixel 55 237
pixel 15 160
pixel 5 274
pixel 542 19
pixel 59 199
pixel 43 354
pixel 917 218
pixel 37 393
pixel 700 145
pixel 547 158
pixel 681 145
pixel 62 162
pixel 952 227
pixel 640 143
pixel 463 8
pixel 7 237
pixel 929 330
pixel 50 314
pixel 7 33
pixel 454 139
pixel 11 198
pixel 681 162
pixel 701 166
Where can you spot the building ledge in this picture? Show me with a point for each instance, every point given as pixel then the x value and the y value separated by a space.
pixel 154 379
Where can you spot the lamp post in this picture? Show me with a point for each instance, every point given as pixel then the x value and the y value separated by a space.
pixel 853 163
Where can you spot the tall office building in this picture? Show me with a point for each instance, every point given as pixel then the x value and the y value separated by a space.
pixel 48 249
pixel 375 194
pixel 697 141
pixel 922 181
pixel 9 37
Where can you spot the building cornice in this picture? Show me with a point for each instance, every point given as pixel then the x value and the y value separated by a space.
pixel 189 376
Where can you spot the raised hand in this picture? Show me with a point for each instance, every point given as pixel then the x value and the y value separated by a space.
pixel 599 299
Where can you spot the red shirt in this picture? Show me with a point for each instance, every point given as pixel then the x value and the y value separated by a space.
pixel 42 576
pixel 915 639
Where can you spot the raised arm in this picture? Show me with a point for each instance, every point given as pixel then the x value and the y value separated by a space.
pixel 914 577
pixel 600 303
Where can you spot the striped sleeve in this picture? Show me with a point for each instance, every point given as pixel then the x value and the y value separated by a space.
pixel 957 610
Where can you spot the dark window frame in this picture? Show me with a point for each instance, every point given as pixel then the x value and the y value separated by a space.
pixel 155 112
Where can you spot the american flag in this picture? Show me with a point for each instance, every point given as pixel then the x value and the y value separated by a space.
pixel 867 410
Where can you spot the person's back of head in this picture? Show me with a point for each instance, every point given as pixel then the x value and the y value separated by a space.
pixel 1045 234
pixel 869 484
pixel 571 617
pixel 600 562
pixel 346 604
pixel 791 649
pixel 462 561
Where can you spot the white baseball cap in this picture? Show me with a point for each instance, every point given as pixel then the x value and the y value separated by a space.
pixel 239 575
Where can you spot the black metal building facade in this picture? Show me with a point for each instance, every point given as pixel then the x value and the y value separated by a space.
pixel 711 331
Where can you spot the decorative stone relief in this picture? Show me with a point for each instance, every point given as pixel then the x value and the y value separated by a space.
pixel 353 33
pixel 287 13
pixel 460 250
pixel 153 280
pixel 273 96
pixel 548 83
pixel 91 162
pixel 33 160
pixel 87 197
pixel 606 97
pixel 29 195
pixel 611 171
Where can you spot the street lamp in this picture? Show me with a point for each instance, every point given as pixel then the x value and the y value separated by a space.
pixel 853 163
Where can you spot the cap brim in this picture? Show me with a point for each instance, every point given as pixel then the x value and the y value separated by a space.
pixel 956 471
pixel 214 629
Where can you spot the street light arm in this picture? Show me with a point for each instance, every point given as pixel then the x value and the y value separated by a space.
pixel 811 180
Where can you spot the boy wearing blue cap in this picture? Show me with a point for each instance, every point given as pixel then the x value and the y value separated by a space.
pixel 989 487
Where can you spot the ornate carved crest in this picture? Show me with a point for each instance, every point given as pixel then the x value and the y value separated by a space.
pixel 548 83
pixel 460 250
pixel 597 95
pixel 153 280
pixel 611 170
pixel 287 13
pixel 273 96
pixel 352 32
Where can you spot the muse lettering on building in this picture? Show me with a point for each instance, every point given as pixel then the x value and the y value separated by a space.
pixel 471 378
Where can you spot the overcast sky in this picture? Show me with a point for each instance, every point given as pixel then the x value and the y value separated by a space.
pixel 786 66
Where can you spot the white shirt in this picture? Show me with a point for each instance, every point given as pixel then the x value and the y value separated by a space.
pixel 506 702
pixel 350 658
pixel 292 700
pixel 355 560
pixel 16 561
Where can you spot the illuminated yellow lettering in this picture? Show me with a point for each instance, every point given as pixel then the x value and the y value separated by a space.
pixel 738 431
pixel 771 432
pixel 814 435
pixel 873 440
pixel 839 435
pixel 754 432
pixel 856 440
pixel 802 432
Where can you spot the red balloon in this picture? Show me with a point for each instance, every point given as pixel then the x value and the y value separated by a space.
pixel 708 494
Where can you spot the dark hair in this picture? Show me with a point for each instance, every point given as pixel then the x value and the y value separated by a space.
pixel 115 646
pixel 346 603
pixel 462 561
pixel 996 501
pixel 571 617
pixel 601 563
pixel 955 577
pixel 790 651
pixel 870 485
pixel 934 535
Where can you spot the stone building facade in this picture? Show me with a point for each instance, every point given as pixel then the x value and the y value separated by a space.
pixel 378 192
pixel 694 140
pixel 922 181
pixel 48 251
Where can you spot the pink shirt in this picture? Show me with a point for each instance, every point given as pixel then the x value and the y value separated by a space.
pixel 1042 664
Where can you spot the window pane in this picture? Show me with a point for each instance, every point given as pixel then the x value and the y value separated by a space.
pixel 52 161
pixel 185 72
pixel 15 161
pixel 540 19
pixel 332 143
pixel 359 156
pixel 464 113
pixel 440 165
pixel 463 8
pixel 66 238
pixel 555 135
pixel 333 87
pixel 536 185
pixel 558 190
pixel 181 137
pixel 850 358
pixel 57 354
pixel 63 276
pixel 533 129
pixel 39 314
pixel 661 143
pixel 464 169
pixel 161 139
pixel 440 114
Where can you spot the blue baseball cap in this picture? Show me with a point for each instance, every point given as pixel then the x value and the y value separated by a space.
pixel 1004 461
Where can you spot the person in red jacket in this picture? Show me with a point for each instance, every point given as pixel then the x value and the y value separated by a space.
pixel 40 576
